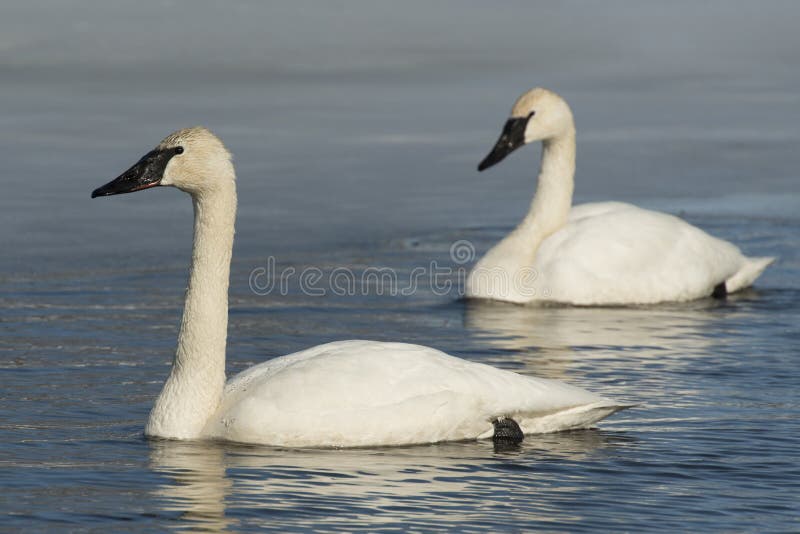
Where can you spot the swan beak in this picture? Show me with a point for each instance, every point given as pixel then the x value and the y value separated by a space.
pixel 512 137
pixel 144 174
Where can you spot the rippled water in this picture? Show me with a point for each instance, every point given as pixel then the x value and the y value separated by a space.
pixel 356 141
pixel 713 444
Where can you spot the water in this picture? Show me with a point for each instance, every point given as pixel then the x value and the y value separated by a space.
pixel 356 130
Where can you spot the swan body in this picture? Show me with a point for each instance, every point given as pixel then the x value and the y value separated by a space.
pixel 342 394
pixel 362 393
pixel 606 253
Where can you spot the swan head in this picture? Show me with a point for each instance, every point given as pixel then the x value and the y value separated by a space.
pixel 193 159
pixel 538 115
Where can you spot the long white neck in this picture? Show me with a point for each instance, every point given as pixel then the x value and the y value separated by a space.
pixel 548 212
pixel 195 385
pixel 553 199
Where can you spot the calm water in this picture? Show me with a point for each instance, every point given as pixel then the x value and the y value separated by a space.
pixel 356 130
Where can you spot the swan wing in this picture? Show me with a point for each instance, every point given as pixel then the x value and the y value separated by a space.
pixel 366 393
pixel 617 253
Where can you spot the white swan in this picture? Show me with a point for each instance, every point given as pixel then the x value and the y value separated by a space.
pixel 349 393
pixel 598 253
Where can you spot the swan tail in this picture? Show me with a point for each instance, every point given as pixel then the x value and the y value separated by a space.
pixel 745 276
pixel 576 418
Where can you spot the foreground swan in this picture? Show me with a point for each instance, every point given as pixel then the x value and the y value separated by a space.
pixel 599 253
pixel 348 393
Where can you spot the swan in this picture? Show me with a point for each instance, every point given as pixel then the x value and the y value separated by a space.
pixel 604 253
pixel 341 394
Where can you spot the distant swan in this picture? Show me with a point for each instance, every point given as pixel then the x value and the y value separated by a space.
pixel 342 394
pixel 598 253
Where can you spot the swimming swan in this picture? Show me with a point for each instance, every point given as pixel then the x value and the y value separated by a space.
pixel 598 253
pixel 342 394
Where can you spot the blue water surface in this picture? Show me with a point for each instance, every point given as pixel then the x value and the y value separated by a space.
pixel 356 128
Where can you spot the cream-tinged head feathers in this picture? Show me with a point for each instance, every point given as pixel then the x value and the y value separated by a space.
pixel 203 163
pixel 193 160
pixel 538 115
pixel 549 114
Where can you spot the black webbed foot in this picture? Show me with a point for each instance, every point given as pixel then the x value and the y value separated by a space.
pixel 720 291
pixel 506 430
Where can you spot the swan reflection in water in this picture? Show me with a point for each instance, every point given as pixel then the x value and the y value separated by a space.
pixel 218 486
pixel 560 342
pixel 196 487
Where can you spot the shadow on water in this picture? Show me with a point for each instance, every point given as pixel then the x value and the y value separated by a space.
pixel 216 486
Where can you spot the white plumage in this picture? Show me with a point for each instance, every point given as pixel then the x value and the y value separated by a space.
pixel 617 253
pixel 599 253
pixel 343 394
pixel 359 393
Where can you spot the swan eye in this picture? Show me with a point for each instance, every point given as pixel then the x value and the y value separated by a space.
pixel 179 150
pixel 531 114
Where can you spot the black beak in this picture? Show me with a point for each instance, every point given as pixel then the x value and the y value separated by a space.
pixel 146 173
pixel 512 138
